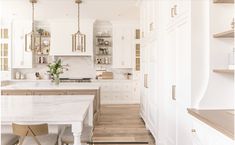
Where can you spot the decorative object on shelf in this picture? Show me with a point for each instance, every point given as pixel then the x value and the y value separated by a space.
pixel 55 69
pixel 38 76
pixel 30 37
pixel 17 75
pixel 128 75
pixel 231 59
pixel 22 76
pixel 78 39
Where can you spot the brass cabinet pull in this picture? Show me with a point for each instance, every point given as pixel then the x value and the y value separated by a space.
pixel 173 91
pixel 146 80
pixel 175 10
pixel 172 14
pixel 193 130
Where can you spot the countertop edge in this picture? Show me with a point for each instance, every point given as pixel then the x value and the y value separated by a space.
pixel 210 123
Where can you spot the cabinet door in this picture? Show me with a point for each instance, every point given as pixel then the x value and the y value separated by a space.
pixel 21 58
pixel 122 46
pixel 169 83
pixel 183 85
pixel 61 37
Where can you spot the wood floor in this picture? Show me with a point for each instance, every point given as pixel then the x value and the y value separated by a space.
pixel 119 124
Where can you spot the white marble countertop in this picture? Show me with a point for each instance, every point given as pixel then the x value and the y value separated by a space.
pixel 50 86
pixel 53 109
pixel 70 110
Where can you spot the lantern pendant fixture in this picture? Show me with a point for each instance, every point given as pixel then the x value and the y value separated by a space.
pixel 30 38
pixel 78 39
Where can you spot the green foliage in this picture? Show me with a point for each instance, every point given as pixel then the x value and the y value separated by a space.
pixel 55 68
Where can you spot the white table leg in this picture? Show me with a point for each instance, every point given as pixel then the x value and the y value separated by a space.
pixel 77 131
pixel 90 115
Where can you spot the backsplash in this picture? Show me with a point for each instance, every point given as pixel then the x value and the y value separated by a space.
pixel 79 67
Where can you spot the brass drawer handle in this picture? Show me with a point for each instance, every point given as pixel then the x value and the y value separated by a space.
pixel 175 10
pixel 173 92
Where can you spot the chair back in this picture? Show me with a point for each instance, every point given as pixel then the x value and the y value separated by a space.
pixel 30 130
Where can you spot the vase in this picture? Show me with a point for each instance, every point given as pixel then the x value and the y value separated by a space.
pixel 56 80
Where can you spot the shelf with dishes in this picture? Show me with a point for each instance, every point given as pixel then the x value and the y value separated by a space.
pixel 42 46
pixel 103 50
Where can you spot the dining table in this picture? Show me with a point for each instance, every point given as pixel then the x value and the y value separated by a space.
pixel 74 110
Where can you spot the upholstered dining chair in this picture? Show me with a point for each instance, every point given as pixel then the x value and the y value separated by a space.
pixel 36 134
pixel 9 139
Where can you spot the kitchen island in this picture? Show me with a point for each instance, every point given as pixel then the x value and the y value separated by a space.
pixel 48 88
pixel 64 110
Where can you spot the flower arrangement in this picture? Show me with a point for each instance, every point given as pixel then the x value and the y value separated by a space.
pixel 55 69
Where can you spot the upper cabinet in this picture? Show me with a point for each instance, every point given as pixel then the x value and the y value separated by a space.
pixel 123 44
pixel 61 37
pixel 21 58
pixel 176 10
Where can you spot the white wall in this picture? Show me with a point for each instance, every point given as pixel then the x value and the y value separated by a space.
pixel 200 50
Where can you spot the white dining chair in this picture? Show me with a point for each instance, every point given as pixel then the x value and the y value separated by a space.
pixel 67 135
pixel 9 139
pixel 34 134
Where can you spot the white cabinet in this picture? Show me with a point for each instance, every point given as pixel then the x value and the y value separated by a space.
pixel 167 63
pixel 203 134
pixel 21 58
pixel 117 92
pixel 61 37
pixel 123 45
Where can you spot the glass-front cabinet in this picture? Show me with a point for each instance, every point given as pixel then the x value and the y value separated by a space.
pixel 5 51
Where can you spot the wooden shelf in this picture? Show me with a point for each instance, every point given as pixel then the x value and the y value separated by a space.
pixel 226 34
pixel 223 1
pixel 229 71
pixel 104 45
pixel 103 36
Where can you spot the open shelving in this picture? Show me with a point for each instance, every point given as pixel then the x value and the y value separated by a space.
pixel 228 71
pixel 223 1
pixel 225 34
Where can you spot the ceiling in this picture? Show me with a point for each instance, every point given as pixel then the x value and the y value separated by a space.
pixel 54 9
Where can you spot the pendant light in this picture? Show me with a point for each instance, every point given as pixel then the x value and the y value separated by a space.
pixel 30 37
pixel 78 39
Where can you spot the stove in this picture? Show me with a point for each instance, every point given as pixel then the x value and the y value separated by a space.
pixel 75 80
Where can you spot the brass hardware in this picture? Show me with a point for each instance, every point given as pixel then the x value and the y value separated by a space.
pixel 193 130
pixel 78 39
pixel 151 26
pixel 31 35
pixel 33 1
pixel 175 10
pixel 173 91
pixel 172 14
pixel 146 80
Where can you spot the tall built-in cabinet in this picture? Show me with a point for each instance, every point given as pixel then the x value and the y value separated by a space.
pixel 169 33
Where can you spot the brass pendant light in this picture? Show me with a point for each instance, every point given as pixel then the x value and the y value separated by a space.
pixel 31 37
pixel 78 39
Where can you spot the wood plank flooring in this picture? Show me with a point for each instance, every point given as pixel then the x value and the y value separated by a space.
pixel 121 123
